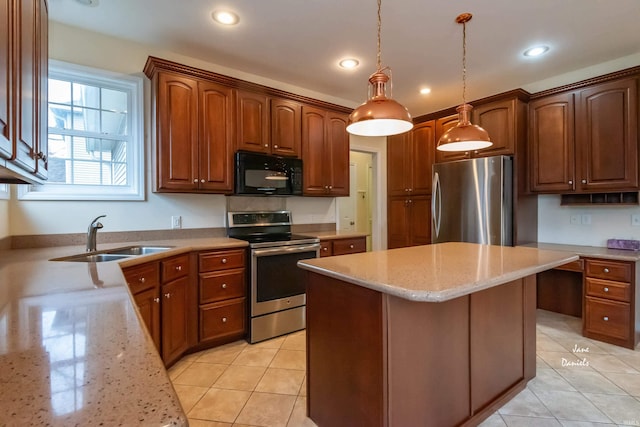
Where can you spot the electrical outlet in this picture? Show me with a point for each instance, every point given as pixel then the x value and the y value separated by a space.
pixel 176 221
pixel 574 219
pixel 586 219
pixel 635 219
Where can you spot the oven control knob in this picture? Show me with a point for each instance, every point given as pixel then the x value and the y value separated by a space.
pixel 224 260
pixel 224 320
pixel 224 286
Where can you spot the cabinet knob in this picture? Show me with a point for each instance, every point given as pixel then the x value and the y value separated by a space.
pixel 178 268
pixel 584 181
pixel 605 318
pixel 224 260
pixel 156 300
pixel 606 270
pixel 167 295
pixel 410 201
pixel 202 181
pixel 195 180
pixel 275 146
pixel 224 286
pixel 224 320
pixel 266 145
pixel 41 156
pixel 325 249
pixel 606 289
pixel 330 187
pixel 406 189
pixel 351 246
pixel 570 182
pixel 141 280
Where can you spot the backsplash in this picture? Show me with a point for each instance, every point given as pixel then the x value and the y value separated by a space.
pixel 584 225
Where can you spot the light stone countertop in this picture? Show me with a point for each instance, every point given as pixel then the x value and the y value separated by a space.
pixel 73 349
pixel 335 234
pixel 590 251
pixel 439 272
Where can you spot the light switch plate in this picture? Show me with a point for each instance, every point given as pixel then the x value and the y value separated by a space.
pixel 176 221
pixel 586 219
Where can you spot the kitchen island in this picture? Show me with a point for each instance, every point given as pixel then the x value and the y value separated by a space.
pixel 438 335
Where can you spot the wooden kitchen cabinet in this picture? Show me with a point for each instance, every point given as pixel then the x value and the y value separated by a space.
pixel 144 282
pixel 325 152
pixel 23 77
pixel 286 127
pixel 410 158
pixel 175 308
pixel 585 141
pixel 222 296
pixel 611 302
pixel 253 122
pixel 194 131
pixel 408 221
pixel 343 246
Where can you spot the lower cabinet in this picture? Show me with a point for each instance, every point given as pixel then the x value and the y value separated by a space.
pixel 222 296
pixel 408 221
pixel 343 246
pixel 144 283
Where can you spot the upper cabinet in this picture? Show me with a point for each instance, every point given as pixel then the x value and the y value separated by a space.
pixel 325 152
pixel 586 140
pixel 253 122
pixel 286 127
pixel 23 82
pixel 410 158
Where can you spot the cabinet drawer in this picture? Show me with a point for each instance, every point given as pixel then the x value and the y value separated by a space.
pixel 610 270
pixel 607 289
pixel 577 266
pixel 222 319
pixel 607 318
pixel 349 246
pixel 175 267
pixel 142 277
pixel 218 286
pixel 221 260
pixel 326 249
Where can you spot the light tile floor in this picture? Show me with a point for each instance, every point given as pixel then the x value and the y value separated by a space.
pixel 263 384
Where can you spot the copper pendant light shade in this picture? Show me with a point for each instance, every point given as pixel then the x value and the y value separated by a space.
pixel 380 115
pixel 464 136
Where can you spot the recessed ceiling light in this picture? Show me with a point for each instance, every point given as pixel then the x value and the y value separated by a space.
pixel 425 90
pixel 225 17
pixel 90 3
pixel 349 63
pixel 536 51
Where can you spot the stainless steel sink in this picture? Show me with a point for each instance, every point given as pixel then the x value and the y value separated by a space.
pixel 114 254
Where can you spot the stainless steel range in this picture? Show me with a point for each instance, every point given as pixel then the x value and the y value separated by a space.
pixel 277 288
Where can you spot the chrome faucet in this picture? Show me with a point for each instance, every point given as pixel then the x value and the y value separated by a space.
pixel 92 232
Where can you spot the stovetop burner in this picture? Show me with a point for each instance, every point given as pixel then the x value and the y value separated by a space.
pixel 265 229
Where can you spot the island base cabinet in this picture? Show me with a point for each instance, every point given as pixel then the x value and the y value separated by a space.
pixel 378 360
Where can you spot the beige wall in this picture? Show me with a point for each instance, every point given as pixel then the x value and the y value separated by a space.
pixel 197 210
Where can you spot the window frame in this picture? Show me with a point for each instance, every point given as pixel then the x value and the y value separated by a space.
pixel 133 85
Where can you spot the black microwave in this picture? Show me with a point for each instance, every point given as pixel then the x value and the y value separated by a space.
pixel 269 175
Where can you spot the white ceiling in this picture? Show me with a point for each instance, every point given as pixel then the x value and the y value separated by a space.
pixel 299 42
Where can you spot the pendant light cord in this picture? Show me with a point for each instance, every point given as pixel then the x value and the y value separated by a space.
pixel 464 62
pixel 379 57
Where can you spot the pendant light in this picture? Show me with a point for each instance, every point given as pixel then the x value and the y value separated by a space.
pixel 379 116
pixel 464 136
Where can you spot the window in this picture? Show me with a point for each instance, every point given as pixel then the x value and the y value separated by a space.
pixel 4 191
pixel 95 139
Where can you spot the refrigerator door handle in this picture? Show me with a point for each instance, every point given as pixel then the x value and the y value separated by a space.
pixel 436 196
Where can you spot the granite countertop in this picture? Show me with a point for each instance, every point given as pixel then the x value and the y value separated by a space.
pixel 336 234
pixel 73 349
pixel 590 251
pixel 439 272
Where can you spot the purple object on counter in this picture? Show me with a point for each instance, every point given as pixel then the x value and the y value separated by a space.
pixel 628 245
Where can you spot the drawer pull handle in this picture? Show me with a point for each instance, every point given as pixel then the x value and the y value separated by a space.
pixel 167 295
pixel 141 280
pixel 606 270
pixel 351 246
pixel 224 320
pixel 156 300
pixel 224 286
pixel 224 260
pixel 178 268
pixel 605 318
pixel 325 249
pixel 606 289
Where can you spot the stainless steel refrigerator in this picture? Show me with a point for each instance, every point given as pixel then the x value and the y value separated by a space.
pixel 472 201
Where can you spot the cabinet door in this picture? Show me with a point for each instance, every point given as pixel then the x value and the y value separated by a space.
pixel 26 84
pixel 337 146
pixel 253 122
pixel 607 136
pixel 443 124
pixel 148 303
pixel 42 95
pixel 315 164
pixel 420 220
pixel 422 157
pixel 6 147
pixel 216 138
pixel 286 127
pixel 175 309
pixel 498 119
pixel 551 144
pixel 398 225
pixel 177 133
pixel 398 164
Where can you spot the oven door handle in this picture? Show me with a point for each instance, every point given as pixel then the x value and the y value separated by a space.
pixel 285 250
